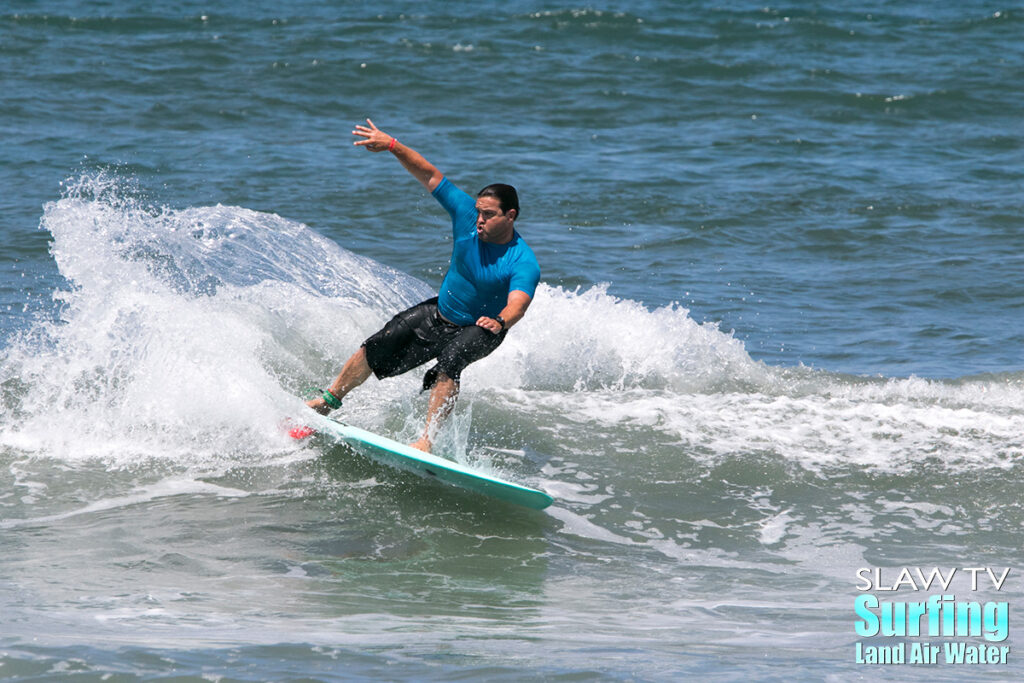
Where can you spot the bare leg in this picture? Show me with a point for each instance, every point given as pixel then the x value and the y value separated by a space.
pixel 355 371
pixel 442 400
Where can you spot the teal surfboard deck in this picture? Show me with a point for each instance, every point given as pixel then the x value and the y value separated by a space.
pixel 395 454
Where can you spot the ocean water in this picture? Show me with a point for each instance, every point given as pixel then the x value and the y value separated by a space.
pixel 777 340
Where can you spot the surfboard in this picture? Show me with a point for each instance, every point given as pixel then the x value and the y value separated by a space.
pixel 394 454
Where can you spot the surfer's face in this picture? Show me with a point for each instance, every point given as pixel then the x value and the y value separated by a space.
pixel 493 224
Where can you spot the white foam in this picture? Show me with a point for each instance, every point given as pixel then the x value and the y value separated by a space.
pixel 172 486
pixel 578 525
pixel 184 334
pixel 583 340
pixel 818 430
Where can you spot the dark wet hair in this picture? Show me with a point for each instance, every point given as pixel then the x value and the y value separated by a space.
pixel 505 194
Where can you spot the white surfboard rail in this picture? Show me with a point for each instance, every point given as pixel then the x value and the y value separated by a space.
pixel 390 452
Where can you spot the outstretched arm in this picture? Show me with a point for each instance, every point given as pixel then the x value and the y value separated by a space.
pixel 376 140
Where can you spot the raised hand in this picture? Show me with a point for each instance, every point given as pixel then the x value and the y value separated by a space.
pixel 375 140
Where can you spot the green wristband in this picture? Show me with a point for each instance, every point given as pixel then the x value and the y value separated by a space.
pixel 332 401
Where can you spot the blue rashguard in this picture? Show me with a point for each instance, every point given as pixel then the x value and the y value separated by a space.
pixel 481 274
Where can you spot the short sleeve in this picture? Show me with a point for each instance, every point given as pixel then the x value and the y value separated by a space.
pixel 526 275
pixel 459 205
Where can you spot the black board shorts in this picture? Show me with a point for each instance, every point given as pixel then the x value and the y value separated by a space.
pixel 419 334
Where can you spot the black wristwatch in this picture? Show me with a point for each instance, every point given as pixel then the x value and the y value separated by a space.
pixel 501 321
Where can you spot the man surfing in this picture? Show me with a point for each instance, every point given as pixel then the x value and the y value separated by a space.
pixel 491 280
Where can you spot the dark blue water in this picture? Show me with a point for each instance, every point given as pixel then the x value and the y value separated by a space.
pixel 778 336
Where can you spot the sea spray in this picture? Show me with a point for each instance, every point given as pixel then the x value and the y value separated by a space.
pixel 183 333
pixel 189 332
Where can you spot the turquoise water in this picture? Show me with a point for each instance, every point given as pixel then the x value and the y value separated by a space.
pixel 777 337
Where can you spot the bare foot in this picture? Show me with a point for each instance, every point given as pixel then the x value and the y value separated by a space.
pixel 421 445
pixel 319 405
